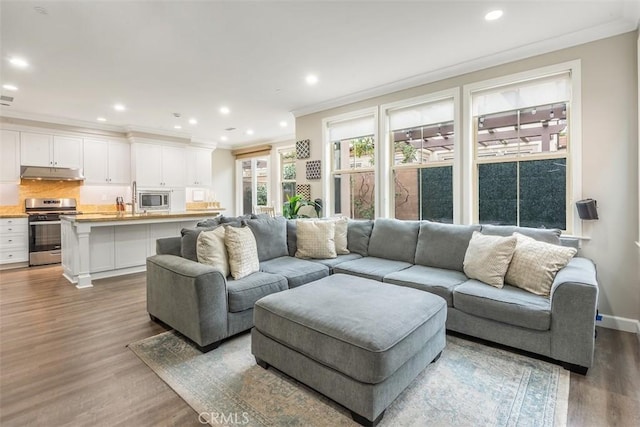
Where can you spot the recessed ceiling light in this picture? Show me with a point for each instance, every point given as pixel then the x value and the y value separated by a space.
pixel 18 62
pixel 223 138
pixel 10 87
pixel 249 131
pixel 225 110
pixel 119 107
pixel 101 119
pixel 493 15
pixel 311 79
pixel 283 124
pixel 193 122
pixel 177 127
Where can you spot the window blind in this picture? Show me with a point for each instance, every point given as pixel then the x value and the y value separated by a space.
pixel 422 114
pixel 531 93
pixel 353 128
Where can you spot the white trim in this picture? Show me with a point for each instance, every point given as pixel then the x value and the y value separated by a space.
pixel 552 44
pixel 386 185
pixel 327 159
pixel 470 214
pixel 619 323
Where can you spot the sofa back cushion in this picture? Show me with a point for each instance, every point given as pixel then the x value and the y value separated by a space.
pixel 443 245
pixel 358 235
pixel 394 239
pixel 271 236
pixel 292 238
pixel 547 235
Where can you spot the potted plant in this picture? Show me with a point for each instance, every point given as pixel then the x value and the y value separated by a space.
pixel 292 206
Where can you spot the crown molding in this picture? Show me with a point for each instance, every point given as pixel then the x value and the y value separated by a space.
pixel 61 123
pixel 610 29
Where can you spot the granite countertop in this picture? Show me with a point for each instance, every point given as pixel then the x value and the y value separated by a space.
pixel 15 215
pixel 127 216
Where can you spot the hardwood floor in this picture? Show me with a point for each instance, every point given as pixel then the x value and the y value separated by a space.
pixel 64 361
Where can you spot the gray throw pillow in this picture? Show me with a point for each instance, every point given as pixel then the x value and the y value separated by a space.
pixel 394 239
pixel 189 241
pixel 209 222
pixel 271 236
pixel 234 221
pixel 547 235
pixel 443 245
pixel 358 234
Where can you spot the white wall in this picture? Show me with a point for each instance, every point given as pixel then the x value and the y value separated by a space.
pixel 609 152
pixel 223 173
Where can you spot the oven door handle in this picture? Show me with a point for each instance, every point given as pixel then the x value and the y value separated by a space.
pixel 45 222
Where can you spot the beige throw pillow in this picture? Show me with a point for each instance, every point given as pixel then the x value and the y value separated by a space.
pixel 487 258
pixel 316 239
pixel 535 264
pixel 212 251
pixel 341 235
pixel 242 250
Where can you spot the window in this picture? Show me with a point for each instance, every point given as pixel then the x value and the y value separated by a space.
pixel 422 140
pixel 521 145
pixel 352 158
pixel 287 173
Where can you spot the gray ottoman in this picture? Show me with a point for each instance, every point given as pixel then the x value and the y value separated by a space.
pixel 357 341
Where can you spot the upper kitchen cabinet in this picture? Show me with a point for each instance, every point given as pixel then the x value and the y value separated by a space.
pixel 157 165
pixel 198 167
pixel 9 156
pixel 107 161
pixel 38 149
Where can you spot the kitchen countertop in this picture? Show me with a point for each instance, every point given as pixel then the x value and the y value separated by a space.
pixel 126 216
pixel 16 215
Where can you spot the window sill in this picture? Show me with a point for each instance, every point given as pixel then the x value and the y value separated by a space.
pixel 571 236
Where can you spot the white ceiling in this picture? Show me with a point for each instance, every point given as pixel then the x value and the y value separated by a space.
pixel 192 57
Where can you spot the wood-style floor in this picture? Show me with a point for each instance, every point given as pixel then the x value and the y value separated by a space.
pixel 64 361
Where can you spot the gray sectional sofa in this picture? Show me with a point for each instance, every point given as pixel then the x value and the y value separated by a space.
pixel 206 307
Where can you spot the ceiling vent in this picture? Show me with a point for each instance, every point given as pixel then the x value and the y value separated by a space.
pixel 230 129
pixel 5 98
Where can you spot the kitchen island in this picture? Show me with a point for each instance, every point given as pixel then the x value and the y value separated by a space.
pixel 96 246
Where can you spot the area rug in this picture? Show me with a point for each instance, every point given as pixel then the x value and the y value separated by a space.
pixel 470 385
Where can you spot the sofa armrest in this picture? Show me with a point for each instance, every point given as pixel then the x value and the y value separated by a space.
pixel 169 246
pixel 574 301
pixel 188 296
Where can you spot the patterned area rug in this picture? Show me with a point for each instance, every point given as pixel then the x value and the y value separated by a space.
pixel 470 385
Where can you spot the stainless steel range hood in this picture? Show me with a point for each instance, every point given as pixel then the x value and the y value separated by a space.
pixel 52 174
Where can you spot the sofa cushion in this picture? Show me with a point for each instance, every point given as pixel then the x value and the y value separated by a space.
pixel 488 257
pixel 509 305
pixel 297 271
pixel 209 222
pixel 271 236
pixel 438 281
pixel 243 293
pixel 548 235
pixel 443 245
pixel 235 221
pixel 242 251
pixel 358 234
pixel 316 239
pixel 534 264
pixel 292 239
pixel 332 262
pixel 394 239
pixel 189 241
pixel 371 267
pixel 212 251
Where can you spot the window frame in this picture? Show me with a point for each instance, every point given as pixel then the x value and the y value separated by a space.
pixel 470 211
pixel 280 151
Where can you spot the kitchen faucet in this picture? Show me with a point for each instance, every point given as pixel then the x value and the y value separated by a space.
pixel 134 197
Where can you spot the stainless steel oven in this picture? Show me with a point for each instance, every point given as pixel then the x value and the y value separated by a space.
pixel 45 244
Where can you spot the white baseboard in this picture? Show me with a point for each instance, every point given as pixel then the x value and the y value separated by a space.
pixel 620 323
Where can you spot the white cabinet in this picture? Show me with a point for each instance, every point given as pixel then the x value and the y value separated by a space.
pixel 14 240
pixel 9 156
pixel 130 245
pixel 199 167
pixel 38 149
pixel 106 162
pixel 102 254
pixel 158 165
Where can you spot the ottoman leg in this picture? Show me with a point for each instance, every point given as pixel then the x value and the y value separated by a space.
pixel 365 422
pixel 435 359
pixel 262 363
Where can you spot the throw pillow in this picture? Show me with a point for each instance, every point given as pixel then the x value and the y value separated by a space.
pixel 316 239
pixel 535 264
pixel 341 235
pixel 358 233
pixel 271 236
pixel 212 250
pixel 487 258
pixel 188 243
pixel 242 251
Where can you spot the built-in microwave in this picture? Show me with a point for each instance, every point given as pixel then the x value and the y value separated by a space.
pixel 154 200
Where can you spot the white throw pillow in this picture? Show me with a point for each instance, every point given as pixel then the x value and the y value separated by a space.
pixel 340 239
pixel 316 239
pixel 535 264
pixel 242 251
pixel 212 251
pixel 487 258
